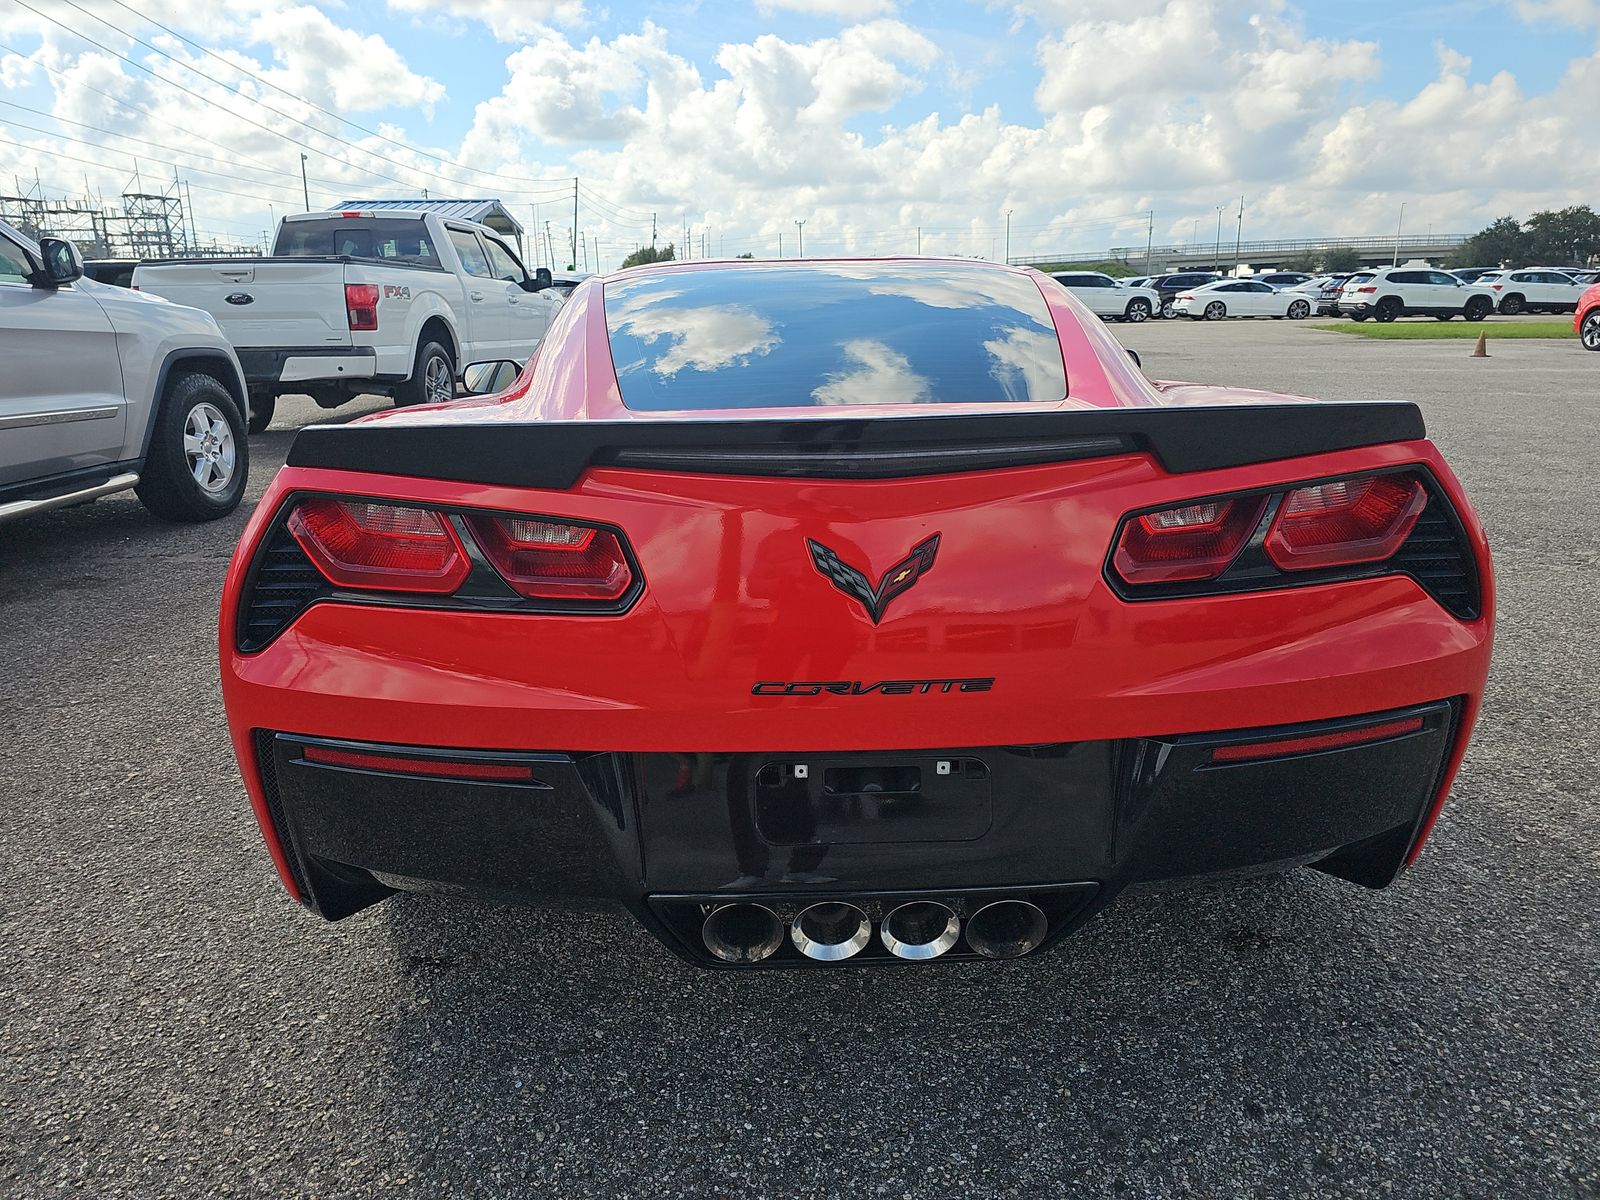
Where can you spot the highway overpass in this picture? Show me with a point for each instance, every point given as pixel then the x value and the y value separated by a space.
pixel 1377 250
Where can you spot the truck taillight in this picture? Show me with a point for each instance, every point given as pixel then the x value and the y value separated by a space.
pixel 361 305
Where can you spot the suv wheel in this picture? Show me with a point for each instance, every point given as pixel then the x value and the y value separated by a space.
pixel 1388 309
pixel 1167 310
pixel 1589 332
pixel 1478 308
pixel 433 377
pixel 199 456
pixel 1138 310
pixel 1512 305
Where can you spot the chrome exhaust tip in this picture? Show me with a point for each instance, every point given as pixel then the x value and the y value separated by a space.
pixel 1006 928
pixel 742 933
pixel 920 930
pixel 830 931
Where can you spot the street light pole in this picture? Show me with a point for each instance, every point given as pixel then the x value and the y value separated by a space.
pixel 1217 250
pixel 1009 211
pixel 305 187
pixel 801 226
pixel 1397 230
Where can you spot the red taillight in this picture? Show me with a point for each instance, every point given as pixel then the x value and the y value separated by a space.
pixel 405 764
pixel 550 560
pixel 1344 522
pixel 1194 541
pixel 361 305
pixel 1366 289
pixel 380 547
pixel 1282 747
pixel 1186 297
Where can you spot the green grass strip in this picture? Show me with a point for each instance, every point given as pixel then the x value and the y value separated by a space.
pixel 1458 331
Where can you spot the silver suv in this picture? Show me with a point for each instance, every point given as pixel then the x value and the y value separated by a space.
pixel 104 389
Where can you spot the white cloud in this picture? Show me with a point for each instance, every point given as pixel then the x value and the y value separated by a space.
pixel 844 10
pixel 340 68
pixel 509 20
pixel 878 375
pixel 1570 12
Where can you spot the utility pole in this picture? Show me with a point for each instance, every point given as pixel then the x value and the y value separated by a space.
pixel 652 231
pixel 1217 250
pixel 801 226
pixel 305 187
pixel 780 243
pixel 574 266
pixel 1397 230
pixel 1009 211
pixel 549 247
pixel 536 247
pixel 919 239
pixel 1149 240
pixel 1238 238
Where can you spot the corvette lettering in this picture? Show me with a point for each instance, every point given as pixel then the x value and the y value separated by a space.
pixel 883 687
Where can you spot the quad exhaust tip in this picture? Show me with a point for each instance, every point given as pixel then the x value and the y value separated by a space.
pixel 742 933
pixel 1006 928
pixel 830 931
pixel 920 930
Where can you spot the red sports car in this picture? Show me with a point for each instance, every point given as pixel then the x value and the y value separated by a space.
pixel 1586 319
pixel 867 611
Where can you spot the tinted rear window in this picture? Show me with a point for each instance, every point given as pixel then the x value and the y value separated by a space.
pixel 386 239
pixel 832 334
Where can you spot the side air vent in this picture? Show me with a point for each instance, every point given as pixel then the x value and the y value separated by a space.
pixel 266 763
pixel 1437 556
pixel 283 586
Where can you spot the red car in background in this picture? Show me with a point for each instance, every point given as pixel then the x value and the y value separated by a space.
pixel 1586 319
pixel 850 611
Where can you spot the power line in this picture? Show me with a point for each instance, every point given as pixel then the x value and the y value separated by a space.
pixel 313 104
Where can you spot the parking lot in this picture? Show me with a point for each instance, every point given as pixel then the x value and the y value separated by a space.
pixel 171 1025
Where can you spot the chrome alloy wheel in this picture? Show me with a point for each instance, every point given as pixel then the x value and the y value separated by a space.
pixel 437 384
pixel 1590 335
pixel 208 447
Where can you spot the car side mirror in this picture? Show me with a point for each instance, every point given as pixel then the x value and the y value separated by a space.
pixel 1134 354
pixel 60 263
pixel 487 378
pixel 541 280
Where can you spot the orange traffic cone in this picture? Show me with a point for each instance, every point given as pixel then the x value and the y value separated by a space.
pixel 1481 350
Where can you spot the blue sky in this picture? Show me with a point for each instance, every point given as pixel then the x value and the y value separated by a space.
pixel 869 119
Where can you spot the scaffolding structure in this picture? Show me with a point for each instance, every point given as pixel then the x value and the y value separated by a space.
pixel 144 225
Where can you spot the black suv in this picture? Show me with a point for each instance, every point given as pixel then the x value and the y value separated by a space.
pixel 1168 286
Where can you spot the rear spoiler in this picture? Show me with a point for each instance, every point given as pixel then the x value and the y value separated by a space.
pixel 555 454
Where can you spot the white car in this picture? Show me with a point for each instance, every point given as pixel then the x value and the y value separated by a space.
pixel 1535 289
pixel 1241 298
pixel 104 390
pixel 1109 299
pixel 392 301
pixel 1392 292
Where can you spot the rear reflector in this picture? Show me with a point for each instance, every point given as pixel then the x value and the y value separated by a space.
pixel 1347 521
pixel 1194 541
pixel 382 547
pixel 552 560
pixel 1283 747
pixel 400 764
pixel 361 305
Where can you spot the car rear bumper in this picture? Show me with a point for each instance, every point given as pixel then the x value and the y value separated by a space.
pixel 307 364
pixel 673 837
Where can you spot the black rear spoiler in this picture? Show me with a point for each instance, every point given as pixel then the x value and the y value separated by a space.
pixel 554 454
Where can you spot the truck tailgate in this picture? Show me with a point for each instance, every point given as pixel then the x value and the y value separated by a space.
pixel 259 302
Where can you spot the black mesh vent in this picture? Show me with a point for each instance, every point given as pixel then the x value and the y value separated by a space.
pixel 266 763
pixel 283 586
pixel 1437 556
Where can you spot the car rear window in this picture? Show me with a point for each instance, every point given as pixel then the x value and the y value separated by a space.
pixel 831 334
pixel 386 239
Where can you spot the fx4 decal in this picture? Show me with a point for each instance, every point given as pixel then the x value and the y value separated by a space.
pixel 897 580
pixel 390 292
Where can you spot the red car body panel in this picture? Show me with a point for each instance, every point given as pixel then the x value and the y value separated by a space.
pixel 1018 594
pixel 1588 303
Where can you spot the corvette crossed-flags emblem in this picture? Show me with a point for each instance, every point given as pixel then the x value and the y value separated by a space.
pixel 897 580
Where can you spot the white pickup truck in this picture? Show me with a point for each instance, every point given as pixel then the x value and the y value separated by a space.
pixel 396 302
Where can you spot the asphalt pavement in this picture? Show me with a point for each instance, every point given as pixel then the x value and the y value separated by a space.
pixel 172 1026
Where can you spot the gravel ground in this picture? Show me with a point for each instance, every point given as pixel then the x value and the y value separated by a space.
pixel 171 1026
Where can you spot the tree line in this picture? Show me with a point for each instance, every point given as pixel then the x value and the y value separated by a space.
pixel 1553 238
